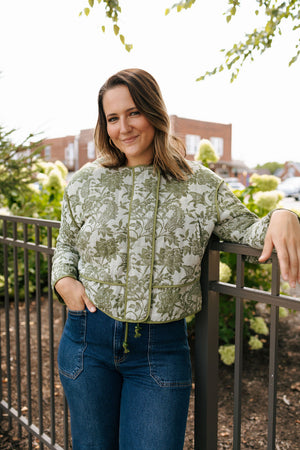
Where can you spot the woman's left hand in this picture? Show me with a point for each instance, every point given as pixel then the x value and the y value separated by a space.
pixel 284 234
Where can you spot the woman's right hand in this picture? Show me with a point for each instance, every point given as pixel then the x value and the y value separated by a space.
pixel 73 294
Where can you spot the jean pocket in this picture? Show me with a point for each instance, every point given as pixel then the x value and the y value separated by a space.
pixel 169 355
pixel 72 345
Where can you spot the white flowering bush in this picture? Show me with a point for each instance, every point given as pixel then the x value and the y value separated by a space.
pixel 255 343
pixel 224 272
pixel 206 153
pixel 283 312
pixel 227 354
pixel 268 200
pixel 264 182
pixel 260 197
pixel 259 326
pixel 44 198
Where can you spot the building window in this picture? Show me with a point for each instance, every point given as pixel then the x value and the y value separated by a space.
pixel 48 152
pixel 192 142
pixel 218 145
pixel 91 150
pixel 69 155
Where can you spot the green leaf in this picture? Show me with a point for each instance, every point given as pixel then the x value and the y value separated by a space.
pixel 91 3
pixel 128 47
pixel 103 28
pixel 122 39
pixel 116 29
pixel 167 11
pixel 87 11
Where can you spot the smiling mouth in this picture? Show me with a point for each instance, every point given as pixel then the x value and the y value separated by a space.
pixel 129 140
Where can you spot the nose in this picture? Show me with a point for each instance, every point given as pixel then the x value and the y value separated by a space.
pixel 124 125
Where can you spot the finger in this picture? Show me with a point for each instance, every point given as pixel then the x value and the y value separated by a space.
pixel 299 264
pixel 90 306
pixel 294 265
pixel 267 249
pixel 284 263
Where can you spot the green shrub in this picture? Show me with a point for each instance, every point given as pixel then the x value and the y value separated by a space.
pixel 261 198
pixel 42 199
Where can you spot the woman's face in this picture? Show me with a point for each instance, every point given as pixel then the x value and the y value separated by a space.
pixel 129 130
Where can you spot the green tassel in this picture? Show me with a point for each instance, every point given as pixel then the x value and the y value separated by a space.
pixel 125 346
pixel 137 330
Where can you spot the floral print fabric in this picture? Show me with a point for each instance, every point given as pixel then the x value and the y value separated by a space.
pixel 136 240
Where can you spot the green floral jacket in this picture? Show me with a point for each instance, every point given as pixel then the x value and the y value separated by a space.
pixel 136 240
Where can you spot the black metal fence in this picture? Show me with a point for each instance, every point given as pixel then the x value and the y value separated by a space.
pixel 31 397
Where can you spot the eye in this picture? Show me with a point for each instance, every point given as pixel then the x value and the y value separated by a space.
pixel 112 119
pixel 134 113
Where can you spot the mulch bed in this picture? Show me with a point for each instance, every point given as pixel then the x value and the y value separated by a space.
pixel 254 393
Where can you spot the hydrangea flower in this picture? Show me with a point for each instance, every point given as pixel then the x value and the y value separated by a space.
pixel 259 326
pixel 62 168
pixel 55 180
pixel 255 343
pixel 268 200
pixel 264 182
pixel 42 179
pixel 227 353
pixel 206 153
pixel 283 312
pixel 224 272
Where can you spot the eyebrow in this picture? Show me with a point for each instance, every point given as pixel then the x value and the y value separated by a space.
pixel 127 110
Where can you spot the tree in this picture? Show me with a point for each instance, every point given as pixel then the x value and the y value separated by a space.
pixel 274 13
pixel 271 166
pixel 16 167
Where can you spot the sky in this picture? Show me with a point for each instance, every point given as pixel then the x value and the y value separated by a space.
pixel 53 63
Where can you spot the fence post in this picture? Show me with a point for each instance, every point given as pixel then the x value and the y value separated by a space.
pixel 206 357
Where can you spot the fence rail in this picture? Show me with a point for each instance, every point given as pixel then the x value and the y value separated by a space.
pixel 25 267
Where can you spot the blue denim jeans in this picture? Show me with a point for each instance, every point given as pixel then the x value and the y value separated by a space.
pixel 125 401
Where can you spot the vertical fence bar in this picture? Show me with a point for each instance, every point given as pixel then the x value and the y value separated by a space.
pixel 27 331
pixel 238 364
pixel 39 334
pixel 206 358
pixel 66 410
pixel 51 340
pixel 1 352
pixel 17 326
pixel 7 320
pixel 273 356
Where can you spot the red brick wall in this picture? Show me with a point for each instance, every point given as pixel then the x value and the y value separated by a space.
pixel 181 127
pixel 58 146
pixel 85 137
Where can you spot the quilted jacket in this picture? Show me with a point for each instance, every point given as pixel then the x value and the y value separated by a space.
pixel 135 240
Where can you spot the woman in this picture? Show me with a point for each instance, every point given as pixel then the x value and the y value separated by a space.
pixel 135 224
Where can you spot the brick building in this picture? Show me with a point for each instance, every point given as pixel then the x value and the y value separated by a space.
pixel 290 169
pixel 75 151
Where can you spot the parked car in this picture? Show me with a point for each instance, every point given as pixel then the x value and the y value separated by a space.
pixel 290 187
pixel 234 184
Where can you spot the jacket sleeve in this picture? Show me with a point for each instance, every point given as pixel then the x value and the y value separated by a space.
pixel 65 259
pixel 235 223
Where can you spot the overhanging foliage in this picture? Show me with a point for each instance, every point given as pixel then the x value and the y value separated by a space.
pixel 255 42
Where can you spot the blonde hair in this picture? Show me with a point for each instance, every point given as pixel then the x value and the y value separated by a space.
pixel 169 151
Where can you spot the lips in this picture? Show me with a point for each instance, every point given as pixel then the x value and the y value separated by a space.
pixel 129 140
